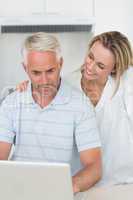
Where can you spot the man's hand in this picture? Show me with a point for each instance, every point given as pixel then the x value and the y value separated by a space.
pixel 91 173
pixel 5 149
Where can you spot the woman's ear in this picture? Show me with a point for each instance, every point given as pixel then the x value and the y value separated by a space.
pixel 113 72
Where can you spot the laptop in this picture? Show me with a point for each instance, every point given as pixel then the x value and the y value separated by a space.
pixel 35 181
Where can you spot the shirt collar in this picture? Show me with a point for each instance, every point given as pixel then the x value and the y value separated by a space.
pixel 62 97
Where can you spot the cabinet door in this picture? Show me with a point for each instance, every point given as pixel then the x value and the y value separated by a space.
pixel 21 7
pixel 28 7
pixel 71 7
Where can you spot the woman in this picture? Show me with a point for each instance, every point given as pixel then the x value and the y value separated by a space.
pixel 107 79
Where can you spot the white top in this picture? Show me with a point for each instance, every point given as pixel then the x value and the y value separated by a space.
pixel 115 122
pixel 55 133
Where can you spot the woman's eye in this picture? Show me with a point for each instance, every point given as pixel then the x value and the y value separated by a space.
pixel 91 57
pixel 100 66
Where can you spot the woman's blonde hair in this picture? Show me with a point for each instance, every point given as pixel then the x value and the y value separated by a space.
pixel 41 42
pixel 120 46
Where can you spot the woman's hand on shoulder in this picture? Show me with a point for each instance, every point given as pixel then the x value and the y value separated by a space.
pixel 22 86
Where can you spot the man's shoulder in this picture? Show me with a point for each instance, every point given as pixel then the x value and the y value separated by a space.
pixel 74 79
pixel 13 98
pixel 77 97
pixel 73 90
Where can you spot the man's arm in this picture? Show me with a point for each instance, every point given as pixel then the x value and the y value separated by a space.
pixel 5 149
pixel 92 171
pixel 7 132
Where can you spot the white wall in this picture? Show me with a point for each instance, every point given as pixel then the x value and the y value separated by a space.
pixel 114 15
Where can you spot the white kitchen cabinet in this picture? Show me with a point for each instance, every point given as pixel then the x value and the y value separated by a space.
pixel 38 7
pixel 21 7
pixel 72 7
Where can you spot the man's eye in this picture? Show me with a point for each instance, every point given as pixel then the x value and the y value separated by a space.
pixel 35 73
pixel 51 71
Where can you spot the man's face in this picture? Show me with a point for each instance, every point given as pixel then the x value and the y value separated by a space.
pixel 43 69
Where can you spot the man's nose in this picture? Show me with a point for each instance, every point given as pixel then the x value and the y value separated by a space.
pixel 44 79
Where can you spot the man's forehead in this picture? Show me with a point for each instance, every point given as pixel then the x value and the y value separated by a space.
pixel 41 54
pixel 42 69
pixel 41 58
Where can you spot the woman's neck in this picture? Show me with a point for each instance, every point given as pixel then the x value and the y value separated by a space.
pixel 93 89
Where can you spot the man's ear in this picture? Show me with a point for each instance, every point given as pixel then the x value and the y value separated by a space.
pixel 61 62
pixel 24 66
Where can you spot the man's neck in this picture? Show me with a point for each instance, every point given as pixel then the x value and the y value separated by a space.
pixel 41 100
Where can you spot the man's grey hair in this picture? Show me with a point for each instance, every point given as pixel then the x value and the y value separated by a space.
pixel 41 42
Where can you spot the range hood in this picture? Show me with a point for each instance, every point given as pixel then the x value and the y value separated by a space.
pixel 47 23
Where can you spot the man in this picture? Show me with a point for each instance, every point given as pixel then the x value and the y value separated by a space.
pixel 51 121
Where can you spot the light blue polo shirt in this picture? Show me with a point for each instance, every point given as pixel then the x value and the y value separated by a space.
pixel 55 133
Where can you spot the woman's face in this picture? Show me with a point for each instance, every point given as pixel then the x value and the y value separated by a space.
pixel 99 63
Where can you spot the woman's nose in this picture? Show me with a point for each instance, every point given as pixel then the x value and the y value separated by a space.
pixel 91 65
